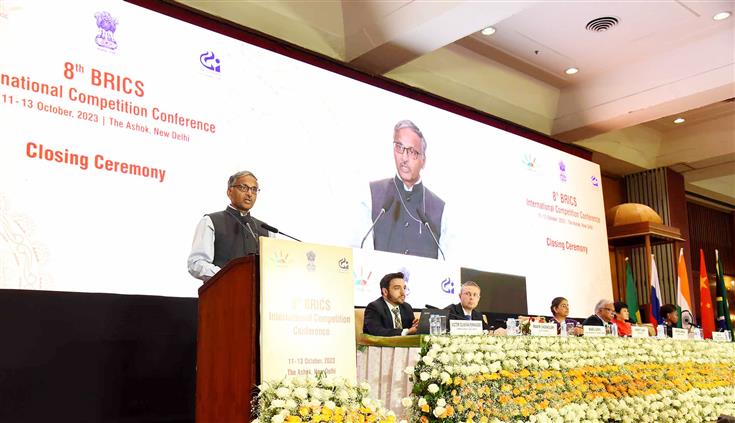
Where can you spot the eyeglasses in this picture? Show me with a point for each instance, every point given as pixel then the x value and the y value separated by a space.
pixel 400 149
pixel 245 188
pixel 611 310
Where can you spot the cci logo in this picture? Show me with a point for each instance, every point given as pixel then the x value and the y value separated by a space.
pixel 529 162
pixel 595 181
pixel 209 61
pixel 448 286
pixel 361 279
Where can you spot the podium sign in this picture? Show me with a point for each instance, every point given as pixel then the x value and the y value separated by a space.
pixel 306 310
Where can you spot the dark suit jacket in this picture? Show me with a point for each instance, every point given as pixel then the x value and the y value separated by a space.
pixel 379 319
pixel 456 312
pixel 593 320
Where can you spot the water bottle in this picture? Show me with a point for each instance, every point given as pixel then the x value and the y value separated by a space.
pixel 614 330
pixel 661 332
pixel 434 325
pixel 511 326
pixel 697 334
pixel 563 330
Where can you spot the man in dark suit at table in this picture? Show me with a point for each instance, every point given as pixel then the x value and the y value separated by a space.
pixel 390 315
pixel 604 313
pixel 469 297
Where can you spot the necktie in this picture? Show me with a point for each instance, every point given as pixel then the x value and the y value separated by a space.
pixel 467 317
pixel 397 318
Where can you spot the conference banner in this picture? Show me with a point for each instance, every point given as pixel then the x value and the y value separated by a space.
pixel 307 317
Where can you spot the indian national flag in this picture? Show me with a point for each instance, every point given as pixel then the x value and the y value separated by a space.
pixel 683 299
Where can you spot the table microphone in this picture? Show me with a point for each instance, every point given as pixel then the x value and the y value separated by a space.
pixel 383 210
pixel 425 222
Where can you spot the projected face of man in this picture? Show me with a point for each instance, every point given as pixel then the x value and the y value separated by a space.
pixel 469 297
pixel 241 193
pixel 396 292
pixel 406 145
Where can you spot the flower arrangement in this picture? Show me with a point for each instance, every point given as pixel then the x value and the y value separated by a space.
pixel 554 379
pixel 525 323
pixel 318 399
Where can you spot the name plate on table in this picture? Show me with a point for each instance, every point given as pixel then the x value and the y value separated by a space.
pixel 465 327
pixel 719 336
pixel 594 331
pixel 680 334
pixel 640 331
pixel 543 329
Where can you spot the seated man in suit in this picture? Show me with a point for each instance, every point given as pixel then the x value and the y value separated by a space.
pixel 390 315
pixel 469 297
pixel 604 313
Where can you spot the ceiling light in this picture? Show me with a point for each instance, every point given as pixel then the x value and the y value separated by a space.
pixel 571 71
pixel 488 31
pixel 721 16
pixel 679 120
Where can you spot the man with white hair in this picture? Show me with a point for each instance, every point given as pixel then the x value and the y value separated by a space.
pixel 604 313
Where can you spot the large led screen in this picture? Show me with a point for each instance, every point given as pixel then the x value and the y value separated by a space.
pixel 119 128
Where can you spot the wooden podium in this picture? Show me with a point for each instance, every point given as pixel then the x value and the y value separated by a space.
pixel 227 343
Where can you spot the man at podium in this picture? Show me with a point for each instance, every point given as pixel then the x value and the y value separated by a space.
pixel 228 234
pixel 390 315
pixel 402 206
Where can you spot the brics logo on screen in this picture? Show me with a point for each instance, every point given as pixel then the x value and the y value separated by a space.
pixel 447 286
pixel 210 61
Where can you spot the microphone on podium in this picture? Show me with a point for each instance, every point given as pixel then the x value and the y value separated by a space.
pixel 425 222
pixel 383 210
pixel 268 227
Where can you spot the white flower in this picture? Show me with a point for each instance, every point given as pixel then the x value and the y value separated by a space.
pixel 409 370
pixel 277 419
pixel 300 393
pixel 438 411
pixel 422 401
pixel 407 402
pixel 278 403
pixel 424 376
pixel 283 392
pixel 433 388
pixel 441 402
pixel 445 378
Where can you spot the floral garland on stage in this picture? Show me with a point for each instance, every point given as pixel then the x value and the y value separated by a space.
pixel 318 399
pixel 554 379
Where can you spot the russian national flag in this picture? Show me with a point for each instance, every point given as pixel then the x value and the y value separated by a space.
pixel 655 318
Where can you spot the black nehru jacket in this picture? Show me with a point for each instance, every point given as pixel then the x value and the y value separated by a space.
pixel 399 231
pixel 232 239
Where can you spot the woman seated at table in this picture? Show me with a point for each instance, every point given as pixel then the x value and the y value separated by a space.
pixel 621 319
pixel 560 311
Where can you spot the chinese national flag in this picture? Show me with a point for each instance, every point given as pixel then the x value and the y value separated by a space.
pixel 705 300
